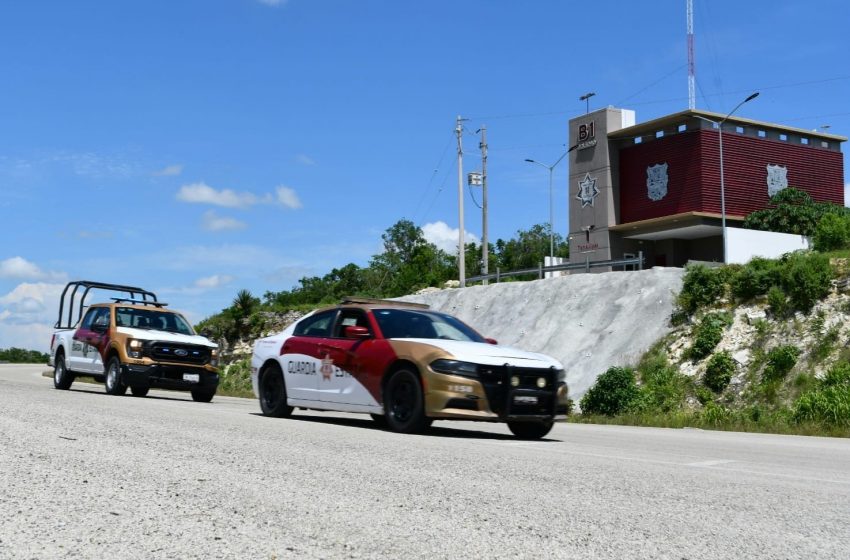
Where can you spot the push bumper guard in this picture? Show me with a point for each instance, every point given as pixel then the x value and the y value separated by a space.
pixel 514 394
pixel 168 377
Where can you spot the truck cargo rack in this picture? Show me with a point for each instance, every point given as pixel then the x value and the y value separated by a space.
pixel 86 286
pixel 139 302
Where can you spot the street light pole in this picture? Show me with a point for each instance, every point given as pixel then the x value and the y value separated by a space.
pixel 722 182
pixel 551 169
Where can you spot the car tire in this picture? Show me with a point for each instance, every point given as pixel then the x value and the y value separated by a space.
pixel 113 383
pixel 62 378
pixel 530 430
pixel 404 407
pixel 203 395
pixel 140 391
pixel 272 389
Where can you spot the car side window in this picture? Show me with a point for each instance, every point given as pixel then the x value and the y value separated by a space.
pixel 350 318
pixel 317 325
pixel 89 318
pixel 102 317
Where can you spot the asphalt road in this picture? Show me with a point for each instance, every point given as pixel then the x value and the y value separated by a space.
pixel 86 475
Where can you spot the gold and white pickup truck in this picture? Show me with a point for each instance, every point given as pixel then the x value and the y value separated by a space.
pixel 132 341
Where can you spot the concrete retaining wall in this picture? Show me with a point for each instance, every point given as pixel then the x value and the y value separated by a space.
pixel 589 322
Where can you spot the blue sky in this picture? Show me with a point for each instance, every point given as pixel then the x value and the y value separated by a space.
pixel 195 148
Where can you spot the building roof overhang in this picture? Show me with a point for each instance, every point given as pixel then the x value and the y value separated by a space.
pixel 650 127
pixel 687 225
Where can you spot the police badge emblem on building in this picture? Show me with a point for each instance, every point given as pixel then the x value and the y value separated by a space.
pixel 777 179
pixel 587 190
pixel 656 181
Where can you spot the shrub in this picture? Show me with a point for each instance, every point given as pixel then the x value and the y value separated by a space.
pixel 827 405
pixel 613 392
pixel 704 395
pixel 805 278
pixel 755 278
pixel 832 232
pixel 236 379
pixel 719 371
pixel 701 286
pixel 780 360
pixel 707 334
pixel 714 414
pixel 777 302
pixel 838 375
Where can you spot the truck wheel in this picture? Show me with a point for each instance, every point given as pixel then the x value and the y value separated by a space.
pixel 140 391
pixel 530 430
pixel 113 383
pixel 62 378
pixel 203 395
pixel 273 392
pixel 404 408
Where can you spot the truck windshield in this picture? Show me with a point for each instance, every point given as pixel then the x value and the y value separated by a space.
pixel 151 319
pixel 404 323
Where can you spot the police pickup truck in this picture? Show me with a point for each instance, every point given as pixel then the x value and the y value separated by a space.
pixel 130 341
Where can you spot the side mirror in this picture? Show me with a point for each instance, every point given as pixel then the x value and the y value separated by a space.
pixel 491 341
pixel 356 332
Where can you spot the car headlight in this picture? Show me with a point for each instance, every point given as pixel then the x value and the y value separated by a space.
pixel 455 367
pixel 134 348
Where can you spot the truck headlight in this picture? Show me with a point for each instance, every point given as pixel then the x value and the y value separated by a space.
pixel 134 348
pixel 214 357
pixel 455 367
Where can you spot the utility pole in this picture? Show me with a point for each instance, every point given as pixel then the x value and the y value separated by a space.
pixel 461 259
pixel 485 246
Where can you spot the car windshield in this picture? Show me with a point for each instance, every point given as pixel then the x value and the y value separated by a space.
pixel 151 319
pixel 406 323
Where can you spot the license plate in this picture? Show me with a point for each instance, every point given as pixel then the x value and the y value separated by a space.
pixel 193 377
pixel 524 399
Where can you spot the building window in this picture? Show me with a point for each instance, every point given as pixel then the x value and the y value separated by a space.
pixel 683 127
pixel 659 134
pixel 638 139
pixel 739 129
pixel 762 134
pixel 783 137
pixel 824 144
pixel 804 141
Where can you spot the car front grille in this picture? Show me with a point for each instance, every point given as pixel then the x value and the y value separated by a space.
pixel 180 353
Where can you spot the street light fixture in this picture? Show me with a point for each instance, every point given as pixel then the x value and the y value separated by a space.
pixel 586 98
pixel 551 169
pixel 722 185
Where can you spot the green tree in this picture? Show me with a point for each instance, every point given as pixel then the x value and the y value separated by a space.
pixel 792 211
pixel 528 249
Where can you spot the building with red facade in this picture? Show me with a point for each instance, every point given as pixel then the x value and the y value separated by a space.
pixel 655 187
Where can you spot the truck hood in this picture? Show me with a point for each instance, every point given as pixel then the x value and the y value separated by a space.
pixel 488 354
pixel 165 336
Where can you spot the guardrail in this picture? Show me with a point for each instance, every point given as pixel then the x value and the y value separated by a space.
pixel 542 270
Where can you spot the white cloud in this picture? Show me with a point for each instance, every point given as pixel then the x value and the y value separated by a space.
pixel 445 237
pixel 214 281
pixel 21 269
pixel 201 193
pixel 305 159
pixel 214 222
pixel 273 3
pixel 27 315
pixel 288 197
pixel 169 171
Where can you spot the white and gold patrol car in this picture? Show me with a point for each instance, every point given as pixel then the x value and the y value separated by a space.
pixel 407 366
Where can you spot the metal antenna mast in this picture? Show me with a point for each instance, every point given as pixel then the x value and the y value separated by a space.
pixel 691 72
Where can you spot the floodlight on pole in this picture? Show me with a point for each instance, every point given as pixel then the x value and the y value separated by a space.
pixel 586 98
pixel 551 169
pixel 722 184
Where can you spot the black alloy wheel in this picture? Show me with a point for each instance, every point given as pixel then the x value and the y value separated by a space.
pixel 62 378
pixel 273 392
pixel 404 407
pixel 531 430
